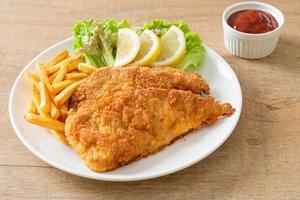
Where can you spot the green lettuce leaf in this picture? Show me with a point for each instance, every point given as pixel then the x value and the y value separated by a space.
pixel 194 49
pixel 195 52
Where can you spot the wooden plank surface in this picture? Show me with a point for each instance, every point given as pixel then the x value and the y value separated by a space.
pixel 261 160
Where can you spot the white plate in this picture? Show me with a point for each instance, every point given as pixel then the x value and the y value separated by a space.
pixel 183 153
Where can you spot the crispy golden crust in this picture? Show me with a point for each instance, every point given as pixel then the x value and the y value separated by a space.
pixel 113 130
pixel 109 80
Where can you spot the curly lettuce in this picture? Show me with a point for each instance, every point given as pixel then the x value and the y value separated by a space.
pixel 194 49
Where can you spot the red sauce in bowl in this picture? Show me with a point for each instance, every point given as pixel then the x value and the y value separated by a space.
pixel 252 21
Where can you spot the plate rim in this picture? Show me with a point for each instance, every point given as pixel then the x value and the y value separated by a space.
pixel 116 177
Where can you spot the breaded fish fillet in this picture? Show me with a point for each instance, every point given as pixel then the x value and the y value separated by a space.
pixel 111 131
pixel 110 80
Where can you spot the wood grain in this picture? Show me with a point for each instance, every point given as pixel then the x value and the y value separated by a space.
pixel 261 160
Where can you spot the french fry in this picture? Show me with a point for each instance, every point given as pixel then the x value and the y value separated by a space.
pixel 52 77
pixel 54 112
pixel 71 59
pixel 36 100
pixel 56 88
pixel 76 76
pixel 32 107
pixel 83 67
pixel 59 135
pixel 65 94
pixel 44 98
pixel 58 58
pixel 42 72
pixel 74 64
pixel 29 78
pixel 45 121
pixel 35 75
pixel 55 68
pixel 61 74
pixel 50 91
pixel 64 112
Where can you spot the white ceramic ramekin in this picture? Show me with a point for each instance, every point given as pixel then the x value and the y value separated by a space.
pixel 246 45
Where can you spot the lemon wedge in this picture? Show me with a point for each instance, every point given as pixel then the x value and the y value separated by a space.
pixel 128 47
pixel 173 48
pixel 150 49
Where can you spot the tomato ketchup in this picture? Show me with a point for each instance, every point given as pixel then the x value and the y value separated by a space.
pixel 252 21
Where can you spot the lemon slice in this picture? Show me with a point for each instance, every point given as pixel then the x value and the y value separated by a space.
pixel 150 49
pixel 173 48
pixel 128 47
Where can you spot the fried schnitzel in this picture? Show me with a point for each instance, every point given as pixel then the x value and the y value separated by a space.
pixel 135 112
pixel 110 80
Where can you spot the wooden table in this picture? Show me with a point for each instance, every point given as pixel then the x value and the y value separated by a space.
pixel 261 160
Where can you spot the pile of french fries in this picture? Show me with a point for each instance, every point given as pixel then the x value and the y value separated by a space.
pixel 53 83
